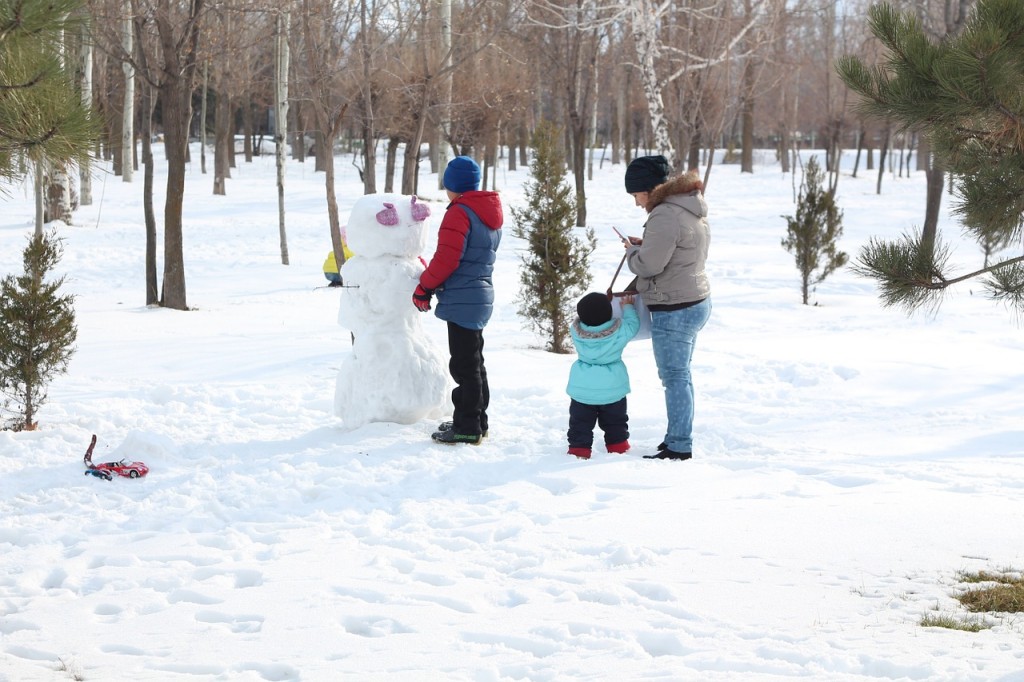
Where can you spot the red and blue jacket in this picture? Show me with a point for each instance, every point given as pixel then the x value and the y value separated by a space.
pixel 460 271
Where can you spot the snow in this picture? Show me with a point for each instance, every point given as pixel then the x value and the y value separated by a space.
pixel 849 462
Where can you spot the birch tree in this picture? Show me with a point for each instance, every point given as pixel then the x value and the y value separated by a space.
pixel 659 63
pixel 85 49
pixel 282 57
pixel 128 106
pixel 54 183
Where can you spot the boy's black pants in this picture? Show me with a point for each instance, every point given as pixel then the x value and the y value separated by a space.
pixel 612 418
pixel 471 395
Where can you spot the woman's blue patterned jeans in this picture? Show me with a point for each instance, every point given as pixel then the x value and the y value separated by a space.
pixel 673 335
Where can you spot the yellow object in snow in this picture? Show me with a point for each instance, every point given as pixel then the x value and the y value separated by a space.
pixel 331 263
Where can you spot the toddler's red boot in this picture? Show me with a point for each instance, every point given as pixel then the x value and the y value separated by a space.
pixel 618 448
pixel 582 453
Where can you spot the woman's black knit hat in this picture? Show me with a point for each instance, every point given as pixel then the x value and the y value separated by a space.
pixel 594 309
pixel 644 173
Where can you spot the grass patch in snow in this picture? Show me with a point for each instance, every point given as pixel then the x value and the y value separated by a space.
pixel 953 622
pixel 997 592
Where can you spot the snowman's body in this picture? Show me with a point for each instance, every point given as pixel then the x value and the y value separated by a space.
pixel 394 373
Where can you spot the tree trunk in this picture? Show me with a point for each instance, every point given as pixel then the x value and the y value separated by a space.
pixel 281 120
pixel 202 119
pixel 57 194
pixel 860 146
pixel 221 112
pixel 85 83
pixel 693 157
pixel 298 134
pixel 321 150
pixel 152 293
pixel 410 169
pixel 178 72
pixel 511 139
pixel 38 186
pixel 57 188
pixel 578 150
pixel 445 89
pixel 332 209
pixel 175 95
pixel 128 111
pixel 389 164
pixel 934 177
pixel 747 118
pixel 627 120
pixel 881 160
pixel 232 129
pixel 618 105
pixel 592 137
pixel 369 134
pixel 784 145
pixel 524 144
pixel 247 134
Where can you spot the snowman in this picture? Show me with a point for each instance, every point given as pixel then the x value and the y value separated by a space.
pixel 394 372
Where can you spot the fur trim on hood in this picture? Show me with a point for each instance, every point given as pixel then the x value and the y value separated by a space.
pixel 686 183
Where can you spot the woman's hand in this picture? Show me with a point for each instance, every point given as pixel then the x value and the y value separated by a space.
pixel 635 241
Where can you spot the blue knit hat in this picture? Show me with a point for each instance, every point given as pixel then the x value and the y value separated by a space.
pixel 462 175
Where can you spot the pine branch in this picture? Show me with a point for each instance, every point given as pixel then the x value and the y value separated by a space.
pixel 1006 284
pixel 984 271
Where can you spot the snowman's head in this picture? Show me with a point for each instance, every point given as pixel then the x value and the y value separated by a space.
pixel 388 225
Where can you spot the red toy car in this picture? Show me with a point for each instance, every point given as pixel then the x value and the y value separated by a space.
pixel 125 468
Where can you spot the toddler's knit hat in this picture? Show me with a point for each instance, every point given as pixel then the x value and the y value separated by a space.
pixel 462 175
pixel 594 309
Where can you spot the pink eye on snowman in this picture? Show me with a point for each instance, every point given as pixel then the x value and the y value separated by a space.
pixel 389 216
pixel 420 212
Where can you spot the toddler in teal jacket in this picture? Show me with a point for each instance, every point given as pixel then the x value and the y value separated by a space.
pixel 598 380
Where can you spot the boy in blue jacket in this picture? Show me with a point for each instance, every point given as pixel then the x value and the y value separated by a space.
pixel 461 274
pixel 598 380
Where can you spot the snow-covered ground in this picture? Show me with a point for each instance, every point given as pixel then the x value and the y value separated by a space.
pixel 849 462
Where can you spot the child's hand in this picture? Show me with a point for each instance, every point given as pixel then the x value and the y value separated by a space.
pixel 627 299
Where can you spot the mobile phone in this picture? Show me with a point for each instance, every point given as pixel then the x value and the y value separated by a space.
pixel 621 236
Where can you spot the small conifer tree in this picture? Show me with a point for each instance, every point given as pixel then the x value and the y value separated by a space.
pixel 813 233
pixel 556 264
pixel 38 333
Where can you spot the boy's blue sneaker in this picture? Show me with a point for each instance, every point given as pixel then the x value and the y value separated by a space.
pixel 449 437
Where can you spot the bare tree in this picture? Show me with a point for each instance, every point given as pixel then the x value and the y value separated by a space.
pixel 327 31
pixel 423 72
pixel 177 29
pixel 445 88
